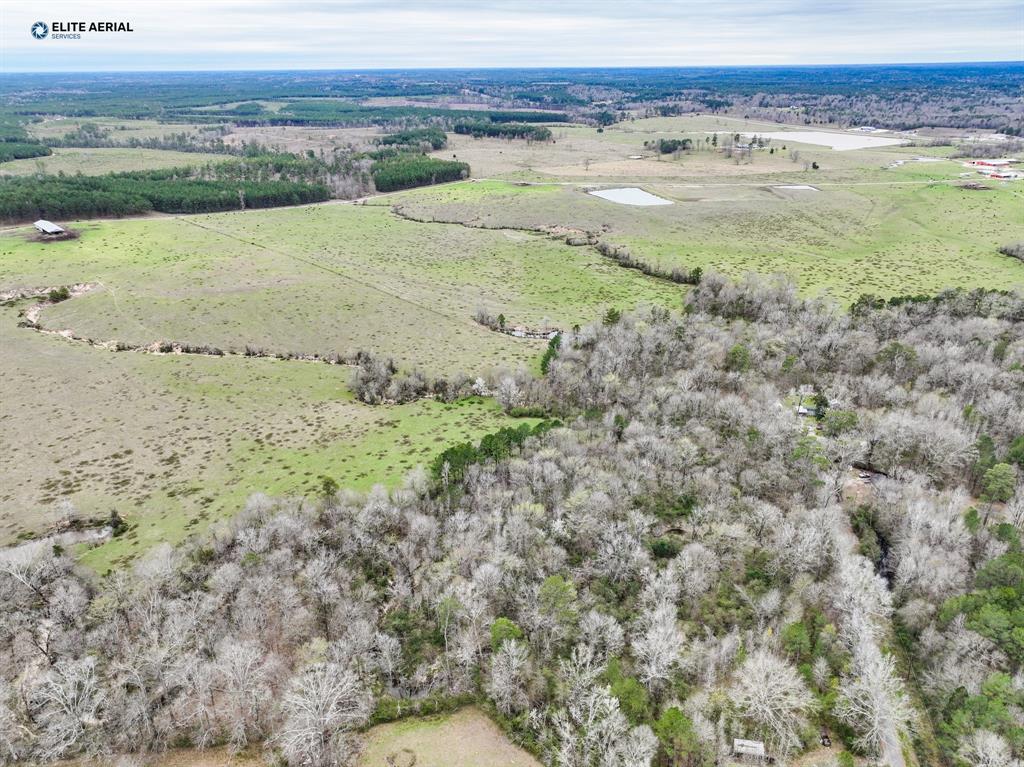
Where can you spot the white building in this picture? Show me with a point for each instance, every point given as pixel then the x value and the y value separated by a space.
pixel 47 227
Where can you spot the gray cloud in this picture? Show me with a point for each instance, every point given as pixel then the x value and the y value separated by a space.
pixel 273 34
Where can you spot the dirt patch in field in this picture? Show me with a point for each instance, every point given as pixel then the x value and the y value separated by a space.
pixel 467 738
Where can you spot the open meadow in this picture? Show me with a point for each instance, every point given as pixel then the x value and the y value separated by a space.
pixel 96 162
pixel 121 129
pixel 323 279
pixel 172 442
pixel 844 239
pixel 153 436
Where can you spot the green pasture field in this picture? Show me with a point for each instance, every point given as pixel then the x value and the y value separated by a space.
pixel 324 279
pixel 174 442
pixel 901 235
pixel 98 162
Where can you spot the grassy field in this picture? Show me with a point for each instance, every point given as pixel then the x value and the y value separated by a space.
pixel 466 738
pixel 903 235
pixel 581 153
pixel 173 442
pixel 121 130
pixel 96 162
pixel 323 279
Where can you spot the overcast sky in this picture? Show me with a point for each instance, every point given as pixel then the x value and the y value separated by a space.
pixel 339 34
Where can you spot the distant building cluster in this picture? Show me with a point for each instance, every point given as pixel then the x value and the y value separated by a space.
pixel 1001 169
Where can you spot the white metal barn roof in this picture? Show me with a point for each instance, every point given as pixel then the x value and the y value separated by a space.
pixel 748 747
pixel 47 227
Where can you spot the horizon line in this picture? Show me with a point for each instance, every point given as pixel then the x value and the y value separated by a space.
pixel 1018 62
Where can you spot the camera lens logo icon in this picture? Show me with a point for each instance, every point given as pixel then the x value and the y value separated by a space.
pixel 40 30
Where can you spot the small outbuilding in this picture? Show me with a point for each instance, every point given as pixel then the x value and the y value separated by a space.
pixel 48 227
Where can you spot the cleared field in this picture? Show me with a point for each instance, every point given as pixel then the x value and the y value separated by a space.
pixel 324 279
pixel 580 153
pixel 884 238
pixel 121 130
pixel 301 139
pixel 96 162
pixel 173 442
pixel 467 738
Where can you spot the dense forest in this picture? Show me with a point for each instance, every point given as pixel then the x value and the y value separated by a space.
pixel 406 171
pixel 16 144
pixel 479 129
pixel 341 113
pixel 971 95
pixel 258 179
pixel 17 150
pixel 416 137
pixel 68 197
pixel 687 556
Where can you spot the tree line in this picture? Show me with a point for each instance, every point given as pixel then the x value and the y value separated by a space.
pixel 17 150
pixel 480 129
pixel 415 137
pixel 66 197
pixel 410 170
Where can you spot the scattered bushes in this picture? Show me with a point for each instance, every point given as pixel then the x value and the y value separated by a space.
pixel 621 255
pixel 669 145
pixel 1014 250
pixel 57 295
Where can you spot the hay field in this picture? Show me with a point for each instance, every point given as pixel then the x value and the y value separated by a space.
pixel 97 162
pixel 885 238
